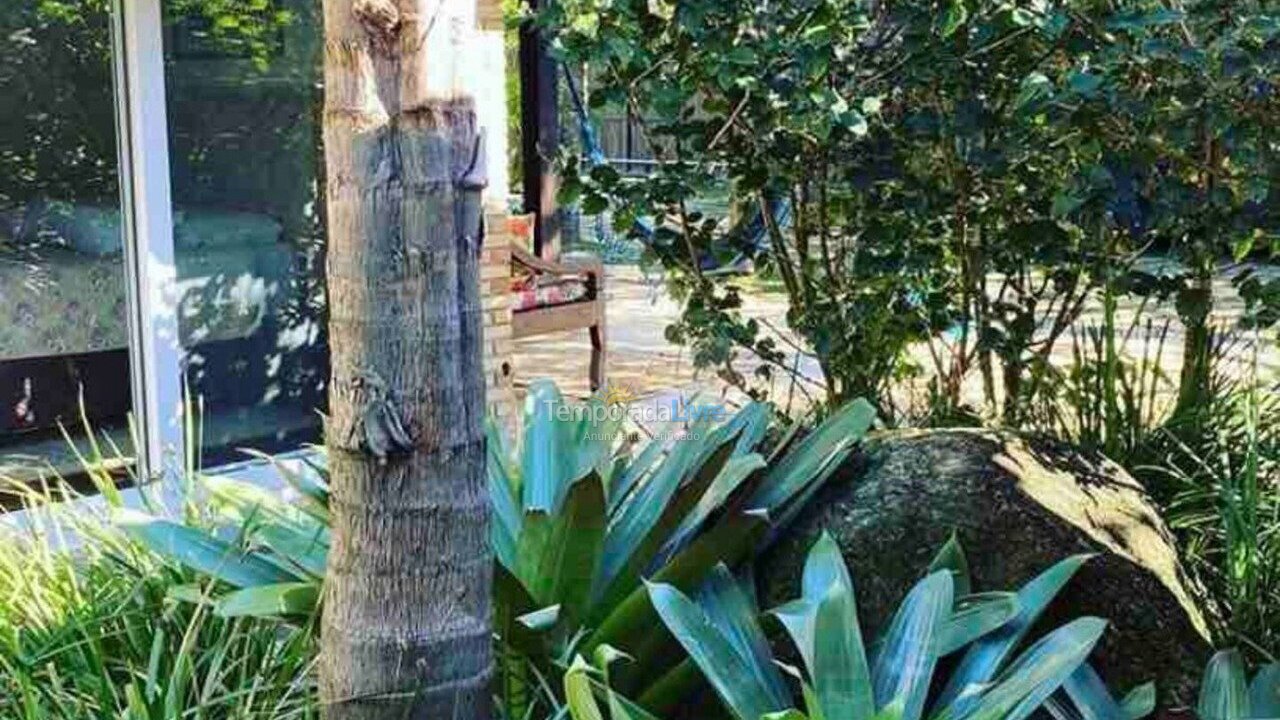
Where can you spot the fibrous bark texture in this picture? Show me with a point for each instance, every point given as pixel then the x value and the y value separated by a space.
pixel 406 626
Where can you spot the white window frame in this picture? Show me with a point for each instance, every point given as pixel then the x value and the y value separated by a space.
pixel 155 349
pixel 155 352
pixel 156 356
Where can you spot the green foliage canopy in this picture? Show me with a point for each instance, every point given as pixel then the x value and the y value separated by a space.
pixel 927 148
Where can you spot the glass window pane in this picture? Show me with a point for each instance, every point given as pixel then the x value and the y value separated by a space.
pixel 244 103
pixel 63 326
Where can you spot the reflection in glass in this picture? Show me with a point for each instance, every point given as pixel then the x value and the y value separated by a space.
pixel 63 333
pixel 244 97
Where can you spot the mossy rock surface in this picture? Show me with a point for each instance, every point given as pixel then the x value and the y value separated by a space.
pixel 1017 506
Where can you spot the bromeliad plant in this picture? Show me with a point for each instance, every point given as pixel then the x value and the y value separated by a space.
pixel 580 517
pixel 580 520
pixel 845 678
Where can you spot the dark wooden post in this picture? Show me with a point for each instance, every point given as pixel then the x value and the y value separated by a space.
pixel 539 135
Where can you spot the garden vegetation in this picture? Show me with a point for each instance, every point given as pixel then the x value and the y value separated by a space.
pixel 969 178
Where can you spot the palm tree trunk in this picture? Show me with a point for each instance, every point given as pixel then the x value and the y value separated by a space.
pixel 406 626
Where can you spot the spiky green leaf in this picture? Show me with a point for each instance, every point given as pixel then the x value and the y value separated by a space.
pixel 729 673
pixel 1036 674
pixel 559 554
pixel 283 600
pixel 1264 692
pixel 976 616
pixel 201 552
pixel 904 665
pixel 987 656
pixel 952 558
pixel 1224 692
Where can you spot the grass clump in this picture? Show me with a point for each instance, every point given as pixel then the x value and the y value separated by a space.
pixel 1213 466
pixel 93 626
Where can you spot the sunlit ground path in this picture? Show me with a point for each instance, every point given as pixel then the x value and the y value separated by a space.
pixel 646 365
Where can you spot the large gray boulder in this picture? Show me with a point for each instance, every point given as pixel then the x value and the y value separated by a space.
pixel 1018 507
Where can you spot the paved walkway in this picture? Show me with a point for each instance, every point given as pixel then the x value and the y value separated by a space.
pixel 642 361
